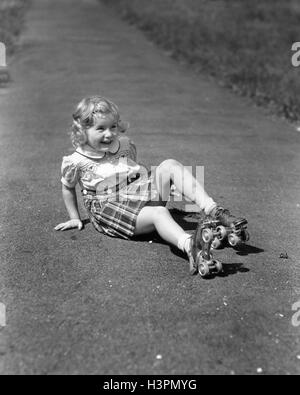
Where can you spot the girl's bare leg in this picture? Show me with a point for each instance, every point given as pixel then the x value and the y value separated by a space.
pixel 159 219
pixel 187 185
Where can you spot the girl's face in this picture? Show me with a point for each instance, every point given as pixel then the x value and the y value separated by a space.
pixel 103 134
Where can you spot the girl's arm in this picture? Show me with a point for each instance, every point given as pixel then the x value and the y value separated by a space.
pixel 70 199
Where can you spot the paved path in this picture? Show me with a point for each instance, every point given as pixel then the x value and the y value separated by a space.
pixel 83 303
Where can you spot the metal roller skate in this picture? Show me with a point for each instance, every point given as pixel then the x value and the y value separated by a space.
pixel 202 242
pixel 229 228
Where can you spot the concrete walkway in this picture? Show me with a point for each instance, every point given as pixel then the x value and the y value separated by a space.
pixel 84 303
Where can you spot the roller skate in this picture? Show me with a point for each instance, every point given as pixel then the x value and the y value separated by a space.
pixel 200 255
pixel 228 228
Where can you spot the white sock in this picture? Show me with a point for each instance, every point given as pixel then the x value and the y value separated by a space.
pixel 183 242
pixel 209 206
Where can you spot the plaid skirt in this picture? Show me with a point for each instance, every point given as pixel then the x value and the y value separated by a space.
pixel 116 215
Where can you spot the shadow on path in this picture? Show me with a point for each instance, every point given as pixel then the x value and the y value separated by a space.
pixel 247 249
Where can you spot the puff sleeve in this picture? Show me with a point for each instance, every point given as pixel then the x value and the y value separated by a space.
pixel 69 172
pixel 132 151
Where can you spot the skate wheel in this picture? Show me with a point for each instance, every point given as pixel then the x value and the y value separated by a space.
pixel 234 240
pixel 222 232
pixel 207 235
pixel 218 266
pixel 216 244
pixel 204 270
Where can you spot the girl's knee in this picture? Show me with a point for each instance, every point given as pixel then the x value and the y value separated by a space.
pixel 168 165
pixel 159 211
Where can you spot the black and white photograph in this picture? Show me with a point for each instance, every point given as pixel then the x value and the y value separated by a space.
pixel 150 189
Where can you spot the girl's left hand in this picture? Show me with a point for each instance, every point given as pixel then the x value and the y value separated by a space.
pixel 72 224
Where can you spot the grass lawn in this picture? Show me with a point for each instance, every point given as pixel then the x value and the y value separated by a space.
pixel 246 45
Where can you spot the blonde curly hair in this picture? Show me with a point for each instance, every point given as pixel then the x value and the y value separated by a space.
pixel 84 117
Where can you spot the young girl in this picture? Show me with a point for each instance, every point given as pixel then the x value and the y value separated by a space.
pixel 122 198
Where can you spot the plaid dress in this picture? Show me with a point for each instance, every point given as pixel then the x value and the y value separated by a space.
pixel 116 216
pixel 113 209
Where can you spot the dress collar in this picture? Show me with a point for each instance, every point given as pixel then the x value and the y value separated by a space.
pixel 87 151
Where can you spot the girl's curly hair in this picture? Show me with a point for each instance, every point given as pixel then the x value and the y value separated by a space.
pixel 84 117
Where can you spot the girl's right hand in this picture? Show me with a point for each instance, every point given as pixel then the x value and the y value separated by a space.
pixel 73 223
